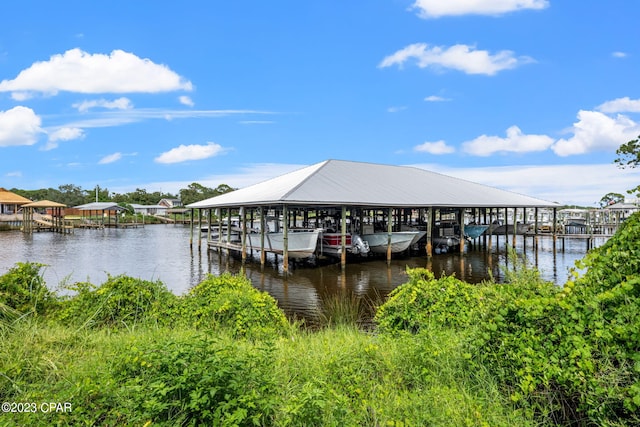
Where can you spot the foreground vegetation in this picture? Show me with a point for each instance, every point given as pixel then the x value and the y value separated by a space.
pixel 443 352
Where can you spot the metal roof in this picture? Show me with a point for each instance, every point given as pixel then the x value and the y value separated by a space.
pixel 339 182
pixel 100 206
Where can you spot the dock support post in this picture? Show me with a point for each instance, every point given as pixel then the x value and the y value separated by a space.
pixel 243 228
pixel 430 214
pixel 343 238
pixel 515 227
pixel 461 214
pixel 389 232
pixel 191 232
pixel 285 239
pixel 263 226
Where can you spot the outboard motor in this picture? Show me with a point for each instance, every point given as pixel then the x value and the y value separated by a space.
pixel 358 245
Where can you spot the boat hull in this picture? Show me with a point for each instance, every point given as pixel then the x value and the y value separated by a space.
pixel 400 241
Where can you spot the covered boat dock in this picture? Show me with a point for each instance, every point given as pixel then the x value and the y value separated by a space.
pixel 345 199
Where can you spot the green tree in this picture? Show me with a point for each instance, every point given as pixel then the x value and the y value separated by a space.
pixel 629 157
pixel 611 198
pixel 196 192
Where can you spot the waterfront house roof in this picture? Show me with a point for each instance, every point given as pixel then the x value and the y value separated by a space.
pixel 10 198
pixel 339 182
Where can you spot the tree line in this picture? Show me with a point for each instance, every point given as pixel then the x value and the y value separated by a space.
pixel 74 195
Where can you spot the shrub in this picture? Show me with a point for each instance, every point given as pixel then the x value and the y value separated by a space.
pixel 575 353
pixel 23 289
pixel 120 301
pixel 232 302
pixel 198 380
pixel 424 301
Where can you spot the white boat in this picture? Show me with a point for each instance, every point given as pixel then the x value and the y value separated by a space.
pixel 331 244
pixel 400 241
pixel 300 244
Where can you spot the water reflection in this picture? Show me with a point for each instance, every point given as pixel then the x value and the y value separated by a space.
pixel 162 252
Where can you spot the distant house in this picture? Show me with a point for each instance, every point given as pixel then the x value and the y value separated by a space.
pixel 11 202
pixel 171 203
pixel 150 209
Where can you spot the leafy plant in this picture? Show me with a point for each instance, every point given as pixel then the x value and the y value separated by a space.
pixel 23 289
pixel 232 302
pixel 120 301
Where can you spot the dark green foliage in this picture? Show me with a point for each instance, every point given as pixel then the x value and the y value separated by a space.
pixel 120 301
pixel 575 354
pixel 23 289
pixel 232 302
pixel 198 380
pixel 424 301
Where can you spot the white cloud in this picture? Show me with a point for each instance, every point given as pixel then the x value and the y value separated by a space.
pixel 619 54
pixel 16 174
pixel 436 98
pixel 185 100
pixel 620 105
pixel 110 158
pixel 438 8
pixel 19 126
pixel 596 131
pixel 569 184
pixel 117 104
pixel 62 134
pixel 184 153
pixel 437 147
pixel 458 57
pixel 515 142
pixel 82 72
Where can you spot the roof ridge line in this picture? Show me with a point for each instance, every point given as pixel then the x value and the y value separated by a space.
pixel 285 195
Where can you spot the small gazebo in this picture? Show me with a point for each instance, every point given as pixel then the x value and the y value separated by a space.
pixel 53 220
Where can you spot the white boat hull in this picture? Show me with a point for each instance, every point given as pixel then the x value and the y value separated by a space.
pixel 400 241
pixel 301 244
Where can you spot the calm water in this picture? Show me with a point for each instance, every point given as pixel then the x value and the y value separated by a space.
pixel 162 252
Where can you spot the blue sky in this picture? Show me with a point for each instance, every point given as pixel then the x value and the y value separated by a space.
pixel 532 96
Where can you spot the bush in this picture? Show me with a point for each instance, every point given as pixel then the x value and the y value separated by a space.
pixel 198 380
pixel 424 301
pixel 575 353
pixel 23 289
pixel 232 302
pixel 120 301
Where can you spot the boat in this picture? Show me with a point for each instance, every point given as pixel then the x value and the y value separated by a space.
pixel 473 231
pixel 331 244
pixel 400 241
pixel 301 243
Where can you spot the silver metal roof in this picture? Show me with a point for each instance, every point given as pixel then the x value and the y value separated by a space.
pixel 100 206
pixel 339 182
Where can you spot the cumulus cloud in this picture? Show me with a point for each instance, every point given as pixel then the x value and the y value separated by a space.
pixel 620 105
pixel 438 8
pixel 458 57
pixel 437 147
pixel 514 142
pixel 82 72
pixel 185 100
pixel 117 104
pixel 110 158
pixel 63 134
pixel 19 126
pixel 596 131
pixel 184 153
